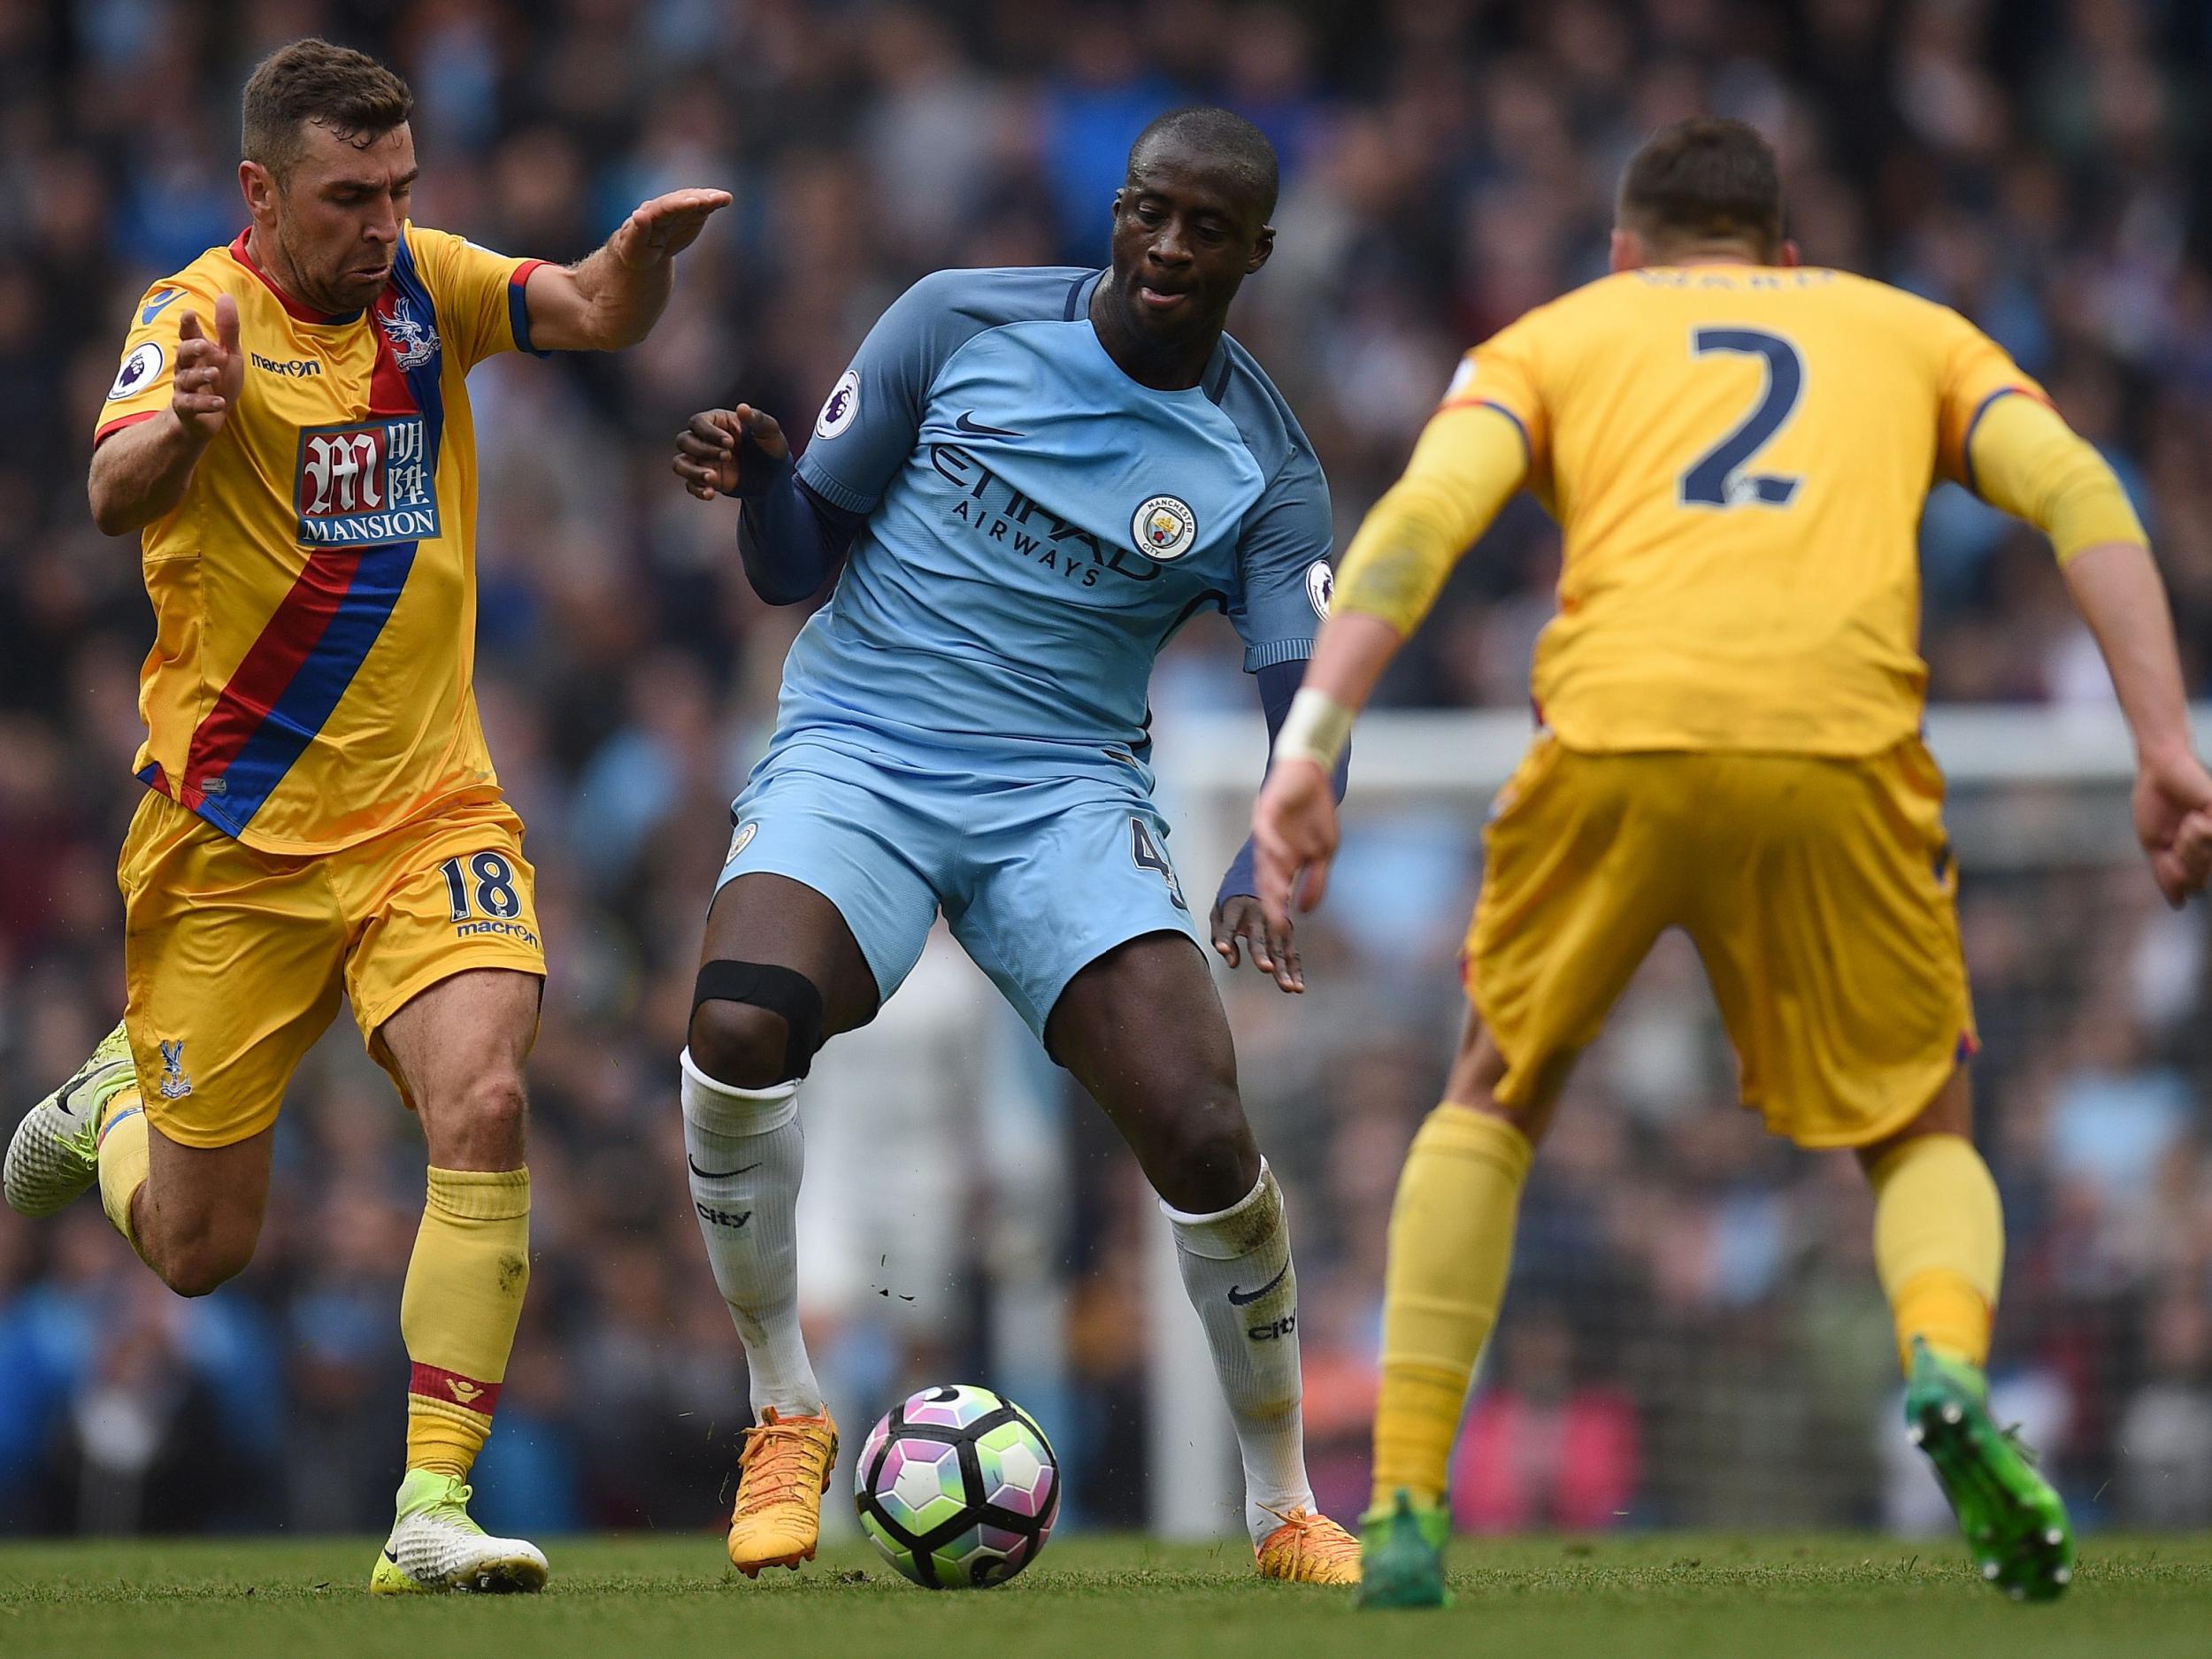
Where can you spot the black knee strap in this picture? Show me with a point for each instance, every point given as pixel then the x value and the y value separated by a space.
pixel 783 991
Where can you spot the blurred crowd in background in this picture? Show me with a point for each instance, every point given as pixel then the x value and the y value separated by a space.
pixel 1694 1334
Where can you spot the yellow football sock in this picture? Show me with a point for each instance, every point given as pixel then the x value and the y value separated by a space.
pixel 459 1311
pixel 1451 1244
pixel 1939 1245
pixel 123 1157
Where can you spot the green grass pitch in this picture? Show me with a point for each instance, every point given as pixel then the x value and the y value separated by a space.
pixel 639 1598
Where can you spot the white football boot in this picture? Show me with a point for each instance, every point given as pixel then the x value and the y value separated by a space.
pixel 435 1546
pixel 56 1152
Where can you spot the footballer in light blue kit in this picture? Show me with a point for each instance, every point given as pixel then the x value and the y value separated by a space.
pixel 1033 477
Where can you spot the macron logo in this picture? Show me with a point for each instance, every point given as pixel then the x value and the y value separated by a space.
pixel 158 303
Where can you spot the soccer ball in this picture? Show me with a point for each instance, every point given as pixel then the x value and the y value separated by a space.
pixel 958 1487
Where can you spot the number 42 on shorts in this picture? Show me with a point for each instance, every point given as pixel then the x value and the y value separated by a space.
pixel 1148 855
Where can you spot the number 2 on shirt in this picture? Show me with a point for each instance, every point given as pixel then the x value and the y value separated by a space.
pixel 1717 479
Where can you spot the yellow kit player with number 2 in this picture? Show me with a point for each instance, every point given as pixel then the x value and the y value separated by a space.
pixel 1738 449
pixel 289 430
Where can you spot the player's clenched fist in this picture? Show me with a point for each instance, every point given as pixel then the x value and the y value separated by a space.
pixel 211 374
pixel 708 450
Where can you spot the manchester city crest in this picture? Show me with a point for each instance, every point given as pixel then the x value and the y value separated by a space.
pixel 1164 528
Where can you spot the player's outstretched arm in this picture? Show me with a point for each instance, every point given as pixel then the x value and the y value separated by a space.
pixel 1294 819
pixel 2117 589
pixel 1467 465
pixel 615 296
pixel 139 473
pixel 2023 458
pixel 1238 920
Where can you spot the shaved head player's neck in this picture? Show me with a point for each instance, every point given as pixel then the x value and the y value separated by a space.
pixel 1189 225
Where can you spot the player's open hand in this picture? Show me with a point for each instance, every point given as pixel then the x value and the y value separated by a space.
pixel 665 226
pixel 2173 820
pixel 211 374
pixel 707 450
pixel 1294 838
pixel 1240 921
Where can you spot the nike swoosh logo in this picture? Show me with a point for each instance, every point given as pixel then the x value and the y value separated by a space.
pixel 389 1556
pixel 968 424
pixel 1245 1298
pixel 717 1175
pixel 159 303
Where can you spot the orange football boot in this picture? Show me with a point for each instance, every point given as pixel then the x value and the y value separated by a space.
pixel 1309 1548
pixel 782 1473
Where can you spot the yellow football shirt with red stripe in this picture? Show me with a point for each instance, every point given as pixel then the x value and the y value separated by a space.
pixel 1737 456
pixel 314 591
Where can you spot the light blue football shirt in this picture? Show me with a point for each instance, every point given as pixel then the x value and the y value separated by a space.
pixel 1039 524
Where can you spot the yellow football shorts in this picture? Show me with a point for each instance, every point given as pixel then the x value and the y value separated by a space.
pixel 233 958
pixel 1821 893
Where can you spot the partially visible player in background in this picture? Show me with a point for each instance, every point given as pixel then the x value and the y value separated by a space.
pixel 290 432
pixel 1737 451
pixel 1033 477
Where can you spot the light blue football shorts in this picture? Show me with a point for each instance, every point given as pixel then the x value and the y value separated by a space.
pixel 1040 868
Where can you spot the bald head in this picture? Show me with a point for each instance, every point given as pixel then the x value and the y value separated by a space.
pixel 1225 143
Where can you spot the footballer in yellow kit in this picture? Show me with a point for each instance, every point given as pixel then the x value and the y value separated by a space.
pixel 320 798
pixel 1737 456
pixel 1737 448
pixel 289 431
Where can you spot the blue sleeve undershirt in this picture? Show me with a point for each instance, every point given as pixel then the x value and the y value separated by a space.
pixel 1279 684
pixel 790 537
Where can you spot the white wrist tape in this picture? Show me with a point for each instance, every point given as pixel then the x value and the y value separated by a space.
pixel 1316 729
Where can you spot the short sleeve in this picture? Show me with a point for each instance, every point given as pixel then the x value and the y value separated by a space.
pixel 481 295
pixel 145 378
pixel 1973 373
pixel 1283 575
pixel 1501 374
pixel 867 425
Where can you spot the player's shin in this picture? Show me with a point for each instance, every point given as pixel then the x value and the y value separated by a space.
pixel 458 1310
pixel 124 1158
pixel 1451 1245
pixel 747 1154
pixel 1939 1245
pixel 1237 1270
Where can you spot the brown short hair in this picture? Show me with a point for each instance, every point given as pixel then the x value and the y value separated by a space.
pixel 1704 180
pixel 348 92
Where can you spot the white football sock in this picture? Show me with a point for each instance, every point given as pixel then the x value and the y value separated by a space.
pixel 1237 1270
pixel 747 1154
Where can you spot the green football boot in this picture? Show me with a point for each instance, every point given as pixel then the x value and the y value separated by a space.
pixel 54 1152
pixel 1401 1554
pixel 2014 1521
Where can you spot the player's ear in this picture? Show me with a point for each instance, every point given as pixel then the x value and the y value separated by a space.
pixel 1263 248
pixel 259 188
pixel 1627 252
